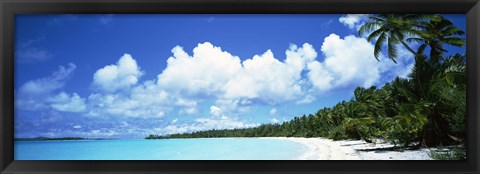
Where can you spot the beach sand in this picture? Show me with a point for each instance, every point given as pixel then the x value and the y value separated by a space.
pixel 327 149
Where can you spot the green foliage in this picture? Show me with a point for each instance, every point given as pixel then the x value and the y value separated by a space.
pixel 337 133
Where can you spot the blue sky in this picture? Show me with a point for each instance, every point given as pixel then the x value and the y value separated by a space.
pixel 127 76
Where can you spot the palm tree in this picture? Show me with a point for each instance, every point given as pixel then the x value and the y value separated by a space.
pixel 425 113
pixel 391 29
pixel 435 33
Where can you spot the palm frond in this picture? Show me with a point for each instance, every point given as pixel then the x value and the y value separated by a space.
pixel 415 39
pixel 456 41
pixel 375 33
pixel 453 31
pixel 378 18
pixel 378 45
pixel 418 17
pixel 392 49
pixel 367 27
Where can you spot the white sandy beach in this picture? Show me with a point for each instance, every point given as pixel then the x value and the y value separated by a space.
pixel 327 149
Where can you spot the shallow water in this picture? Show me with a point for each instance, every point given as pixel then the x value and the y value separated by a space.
pixel 165 149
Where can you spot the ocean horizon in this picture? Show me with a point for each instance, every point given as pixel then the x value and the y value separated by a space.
pixel 161 149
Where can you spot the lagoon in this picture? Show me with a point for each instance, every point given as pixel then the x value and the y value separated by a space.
pixel 162 149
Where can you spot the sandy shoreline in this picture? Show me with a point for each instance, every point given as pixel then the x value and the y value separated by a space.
pixel 327 149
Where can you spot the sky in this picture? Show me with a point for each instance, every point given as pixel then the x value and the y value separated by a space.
pixel 129 76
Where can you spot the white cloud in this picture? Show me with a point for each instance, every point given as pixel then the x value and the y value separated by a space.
pixel 235 85
pixel 254 81
pixel 203 73
pixel 32 94
pixel 234 106
pixel 274 120
pixel 127 106
pixel 173 129
pixel 188 106
pixel 77 127
pixel 202 124
pixel 209 123
pixel 308 99
pixel 122 75
pixel 48 84
pixel 215 111
pixel 216 73
pixel 348 62
pixel 189 111
pixel 174 121
pixel 273 111
pixel 66 103
pixel 353 21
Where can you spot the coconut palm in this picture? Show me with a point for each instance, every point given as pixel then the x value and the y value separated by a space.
pixel 391 29
pixel 436 32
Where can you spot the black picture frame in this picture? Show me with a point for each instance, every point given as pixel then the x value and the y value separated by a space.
pixel 8 9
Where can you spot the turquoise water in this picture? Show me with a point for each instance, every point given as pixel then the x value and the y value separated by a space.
pixel 167 149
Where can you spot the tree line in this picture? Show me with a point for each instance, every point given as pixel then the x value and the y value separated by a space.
pixel 426 109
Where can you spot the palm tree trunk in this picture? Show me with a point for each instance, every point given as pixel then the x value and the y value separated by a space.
pixel 435 55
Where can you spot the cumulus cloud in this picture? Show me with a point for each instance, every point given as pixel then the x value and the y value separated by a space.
pixel 66 103
pixel 274 120
pixel 234 106
pixel 234 84
pixel 353 21
pixel 348 61
pixel 217 112
pixel 204 73
pixel 212 72
pixel 121 105
pixel 124 74
pixel 188 106
pixel 255 79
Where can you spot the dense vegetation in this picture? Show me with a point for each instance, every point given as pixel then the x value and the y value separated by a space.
pixel 426 109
